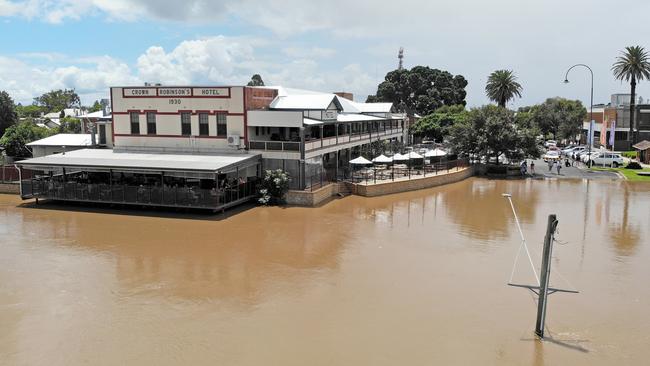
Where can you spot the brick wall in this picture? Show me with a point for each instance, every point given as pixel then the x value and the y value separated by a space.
pixel 381 189
pixel 312 199
pixel 9 188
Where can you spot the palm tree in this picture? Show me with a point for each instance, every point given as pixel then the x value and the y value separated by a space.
pixel 502 86
pixel 633 65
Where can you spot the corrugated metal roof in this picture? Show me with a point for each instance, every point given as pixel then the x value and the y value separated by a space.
pixel 64 139
pixel 353 117
pixel 106 158
pixel 643 145
pixel 308 101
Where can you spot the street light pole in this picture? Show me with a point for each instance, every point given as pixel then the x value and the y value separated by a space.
pixel 591 107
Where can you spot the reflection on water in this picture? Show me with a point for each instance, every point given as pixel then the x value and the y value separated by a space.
pixel 413 278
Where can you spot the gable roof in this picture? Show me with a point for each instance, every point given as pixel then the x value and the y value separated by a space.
pixel 643 145
pixel 305 102
pixel 64 139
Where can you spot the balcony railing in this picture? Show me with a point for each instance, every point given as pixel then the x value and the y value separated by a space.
pixel 140 195
pixel 344 139
pixel 274 145
pixel 318 143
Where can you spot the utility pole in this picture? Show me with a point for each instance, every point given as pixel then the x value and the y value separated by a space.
pixel 545 274
pixel 400 57
pixel 541 289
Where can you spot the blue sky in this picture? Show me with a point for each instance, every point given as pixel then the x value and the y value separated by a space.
pixel 339 45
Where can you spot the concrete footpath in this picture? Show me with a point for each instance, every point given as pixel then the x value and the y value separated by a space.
pixel 573 172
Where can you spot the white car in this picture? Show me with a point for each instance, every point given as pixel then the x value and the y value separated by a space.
pixel 577 150
pixel 550 143
pixel 608 159
pixel 586 156
pixel 551 155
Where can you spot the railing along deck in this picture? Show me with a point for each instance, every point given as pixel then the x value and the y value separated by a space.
pixel 183 197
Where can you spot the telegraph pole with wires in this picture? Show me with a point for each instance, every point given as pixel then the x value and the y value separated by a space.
pixel 542 290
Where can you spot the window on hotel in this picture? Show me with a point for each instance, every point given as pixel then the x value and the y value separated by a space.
pixel 135 123
pixel 186 124
pixel 222 129
pixel 151 123
pixel 203 124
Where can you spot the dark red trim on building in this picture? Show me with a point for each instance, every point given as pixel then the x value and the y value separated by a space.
pixel 245 113
pixel 173 136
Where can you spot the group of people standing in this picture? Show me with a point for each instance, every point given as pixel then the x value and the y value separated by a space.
pixel 553 165
pixel 524 167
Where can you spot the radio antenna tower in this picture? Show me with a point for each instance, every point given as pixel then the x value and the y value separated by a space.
pixel 400 56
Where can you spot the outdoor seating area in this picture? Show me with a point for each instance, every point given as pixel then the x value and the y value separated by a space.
pixel 411 165
pixel 207 182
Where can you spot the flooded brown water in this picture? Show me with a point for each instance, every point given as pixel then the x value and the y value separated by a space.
pixel 409 279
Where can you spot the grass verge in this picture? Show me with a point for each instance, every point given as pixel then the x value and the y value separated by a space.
pixel 630 174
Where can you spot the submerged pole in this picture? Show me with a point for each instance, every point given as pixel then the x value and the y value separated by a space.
pixel 545 275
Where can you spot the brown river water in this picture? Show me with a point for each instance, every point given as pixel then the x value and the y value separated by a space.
pixel 409 279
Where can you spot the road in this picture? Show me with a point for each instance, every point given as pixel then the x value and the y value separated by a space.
pixel 542 171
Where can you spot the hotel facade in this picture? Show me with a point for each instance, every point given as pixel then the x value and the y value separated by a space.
pixel 207 146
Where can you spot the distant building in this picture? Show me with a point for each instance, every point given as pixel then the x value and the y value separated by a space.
pixel 618 112
pixel 59 143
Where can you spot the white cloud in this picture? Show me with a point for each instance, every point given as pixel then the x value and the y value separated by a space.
pixel 538 40
pixel 314 52
pixel 24 81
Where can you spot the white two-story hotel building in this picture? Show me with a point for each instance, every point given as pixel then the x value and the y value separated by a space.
pixel 206 146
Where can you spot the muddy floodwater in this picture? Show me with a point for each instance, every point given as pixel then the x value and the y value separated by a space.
pixel 408 279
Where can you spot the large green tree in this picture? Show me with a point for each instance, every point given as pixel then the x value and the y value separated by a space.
pixel 559 117
pixel 16 138
pixel 96 107
pixel 420 90
pixel 502 86
pixel 8 114
pixel 436 125
pixel 256 80
pixel 70 125
pixel 491 131
pixel 29 111
pixel 632 65
pixel 57 100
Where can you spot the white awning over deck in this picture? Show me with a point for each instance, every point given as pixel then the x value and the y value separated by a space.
pixel 109 159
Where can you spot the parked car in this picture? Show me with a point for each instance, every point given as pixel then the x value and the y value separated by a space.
pixel 579 154
pixel 610 159
pixel 587 156
pixel 571 149
pixel 549 143
pixel 576 150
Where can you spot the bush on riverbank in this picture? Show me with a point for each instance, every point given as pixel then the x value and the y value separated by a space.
pixel 274 187
pixel 633 165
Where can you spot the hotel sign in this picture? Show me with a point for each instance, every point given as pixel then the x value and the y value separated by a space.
pixel 174 92
pixel 139 92
pixel 211 92
pixel 171 92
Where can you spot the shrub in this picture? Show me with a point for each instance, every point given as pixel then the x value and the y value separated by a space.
pixel 629 154
pixel 274 187
pixel 633 165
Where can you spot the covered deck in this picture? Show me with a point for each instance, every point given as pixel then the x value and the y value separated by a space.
pixel 212 182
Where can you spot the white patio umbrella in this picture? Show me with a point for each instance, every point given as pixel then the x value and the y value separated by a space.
pixel 414 155
pixel 435 153
pixel 360 161
pixel 382 159
pixel 400 157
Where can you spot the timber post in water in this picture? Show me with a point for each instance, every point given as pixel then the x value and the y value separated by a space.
pixel 545 274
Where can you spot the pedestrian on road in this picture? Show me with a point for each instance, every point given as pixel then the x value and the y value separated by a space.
pixel 550 165
pixel 523 167
pixel 532 167
pixel 553 166
pixel 559 166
